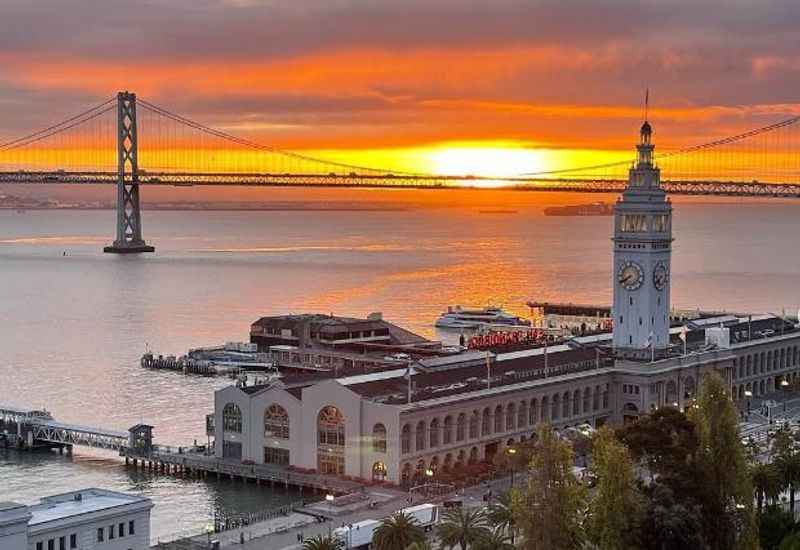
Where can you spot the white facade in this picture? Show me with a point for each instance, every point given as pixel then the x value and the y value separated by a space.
pixel 642 251
pixel 90 519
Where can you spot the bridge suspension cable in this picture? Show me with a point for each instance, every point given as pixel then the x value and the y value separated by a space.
pixel 267 148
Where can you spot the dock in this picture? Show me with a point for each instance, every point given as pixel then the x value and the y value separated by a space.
pixel 32 429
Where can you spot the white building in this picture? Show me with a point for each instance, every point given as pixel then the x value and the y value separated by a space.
pixel 451 410
pixel 90 519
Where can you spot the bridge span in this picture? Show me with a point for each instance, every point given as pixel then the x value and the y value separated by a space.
pixel 102 146
pixel 395 181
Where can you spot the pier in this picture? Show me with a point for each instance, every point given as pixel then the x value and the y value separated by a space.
pixel 31 429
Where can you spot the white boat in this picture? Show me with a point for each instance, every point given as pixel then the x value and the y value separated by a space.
pixel 457 317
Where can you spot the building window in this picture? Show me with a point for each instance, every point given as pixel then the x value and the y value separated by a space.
pixel 379 438
pixel 131 529
pixel 461 427
pixel 121 529
pixel 51 544
pixel 273 455
pixel 498 419
pixel 232 418
pixel 405 439
pixel 421 436
pixel 73 541
pixel 434 433
pixel 486 425
pixel 276 422
pixel 100 536
pixel 111 532
pixel 62 543
pixel 40 545
pixel 474 422
pixel 633 223
pixel 447 436
pixel 331 441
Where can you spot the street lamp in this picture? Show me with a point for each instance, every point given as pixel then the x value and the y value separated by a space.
pixel 209 530
pixel 329 497
pixel 784 386
pixel 748 394
pixel 512 451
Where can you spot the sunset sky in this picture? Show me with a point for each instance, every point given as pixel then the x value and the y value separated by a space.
pixel 443 84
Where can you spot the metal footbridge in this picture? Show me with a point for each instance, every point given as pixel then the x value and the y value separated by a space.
pixel 32 427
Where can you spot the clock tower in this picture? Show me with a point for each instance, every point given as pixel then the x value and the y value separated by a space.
pixel 642 251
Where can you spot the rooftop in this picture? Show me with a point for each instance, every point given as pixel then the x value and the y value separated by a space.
pixel 75 503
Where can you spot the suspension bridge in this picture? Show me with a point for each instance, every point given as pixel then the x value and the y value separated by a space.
pixel 102 146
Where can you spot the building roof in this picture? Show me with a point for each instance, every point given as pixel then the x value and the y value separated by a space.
pixel 75 503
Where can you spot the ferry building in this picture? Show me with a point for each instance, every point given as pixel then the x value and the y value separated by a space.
pixel 446 409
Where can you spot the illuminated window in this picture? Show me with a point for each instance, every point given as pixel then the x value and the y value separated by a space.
pixel 633 223
pixel 276 422
pixel 661 223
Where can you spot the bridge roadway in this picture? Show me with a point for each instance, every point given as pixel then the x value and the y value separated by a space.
pixel 578 184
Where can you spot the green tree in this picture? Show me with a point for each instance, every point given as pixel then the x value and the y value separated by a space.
pixel 790 542
pixel 666 442
pixel 462 528
pixel 726 489
pixel 670 524
pixel 787 463
pixel 493 540
pixel 615 509
pixel 767 482
pixel 774 525
pixel 425 545
pixel 549 510
pixel 501 516
pixel 323 543
pixel 397 532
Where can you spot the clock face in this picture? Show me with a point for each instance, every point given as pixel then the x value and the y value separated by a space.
pixel 630 275
pixel 660 275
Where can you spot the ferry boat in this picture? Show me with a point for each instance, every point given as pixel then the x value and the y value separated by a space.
pixel 457 317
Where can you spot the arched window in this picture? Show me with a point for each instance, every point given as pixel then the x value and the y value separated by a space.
pixel 434 429
pixel 421 435
pixel 232 418
pixel 587 396
pixel 474 422
pixel 545 409
pixel 511 413
pixel 379 438
pixel 498 419
pixel 461 427
pixel 447 436
pixel 533 412
pixel 486 424
pixel 576 403
pixel 596 399
pixel 330 424
pixel 405 439
pixel 556 409
pixel 565 405
pixel 276 422
pixel 522 414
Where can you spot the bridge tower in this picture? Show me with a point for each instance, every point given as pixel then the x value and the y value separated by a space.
pixel 642 253
pixel 129 218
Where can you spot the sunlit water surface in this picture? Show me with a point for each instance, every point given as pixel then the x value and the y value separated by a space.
pixel 74 325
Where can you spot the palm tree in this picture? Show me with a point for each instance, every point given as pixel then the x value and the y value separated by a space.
pixel 766 483
pixel 493 540
pixel 501 515
pixel 323 543
pixel 462 528
pixel 397 532
pixel 420 546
